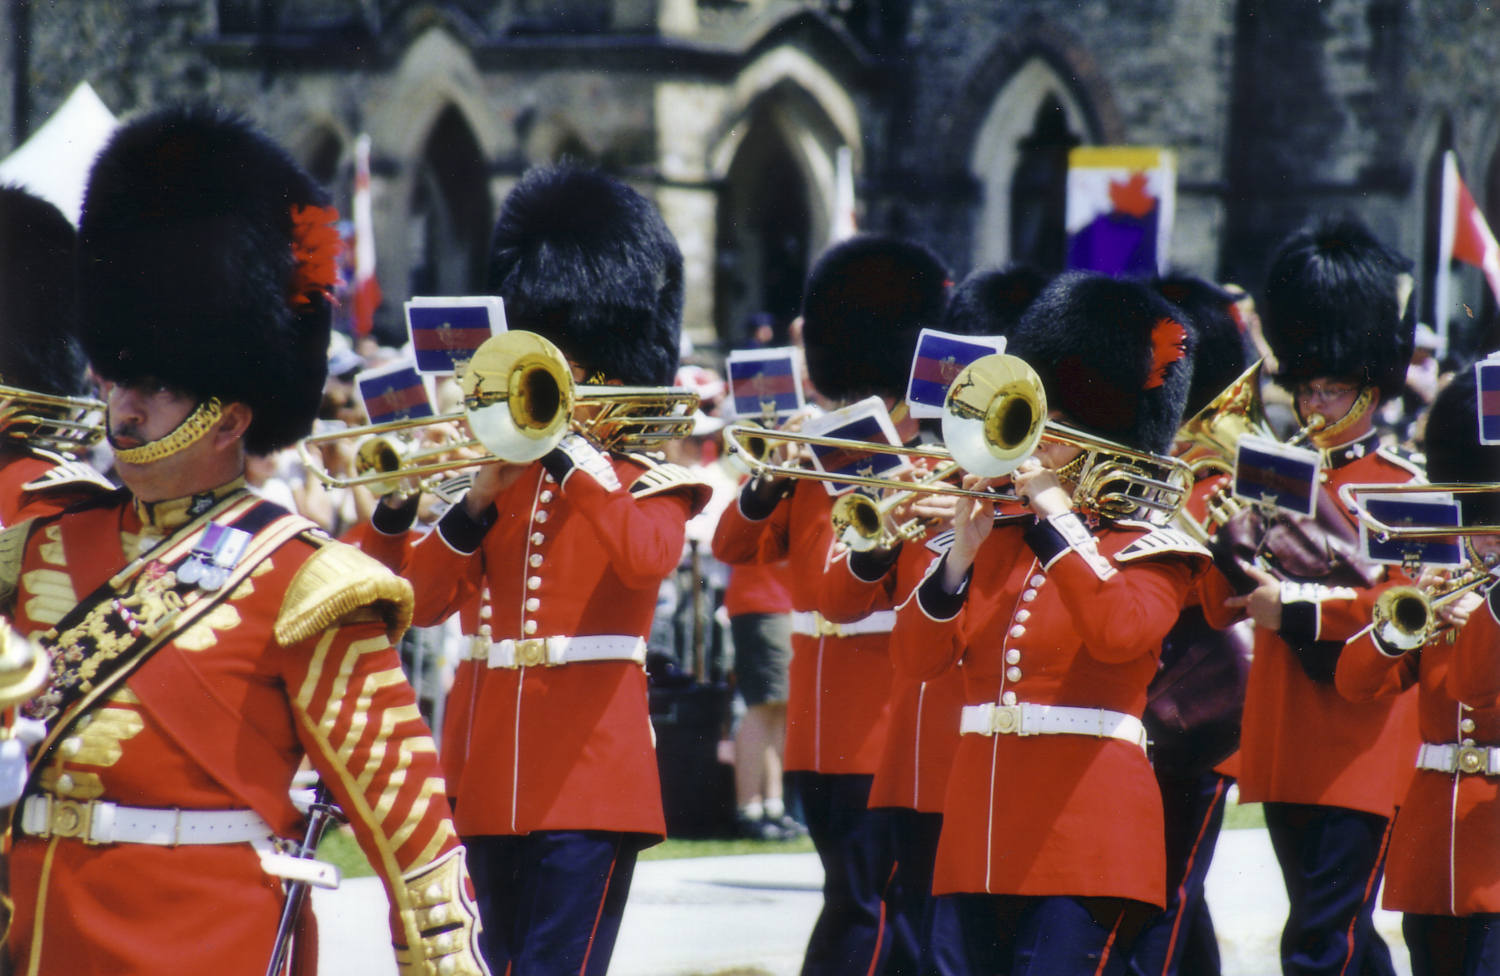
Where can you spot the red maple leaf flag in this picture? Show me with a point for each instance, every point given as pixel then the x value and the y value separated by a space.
pixel 366 286
pixel 1464 235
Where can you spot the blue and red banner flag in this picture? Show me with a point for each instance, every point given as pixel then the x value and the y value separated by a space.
pixel 765 383
pixel 393 392
pixel 941 356
pixel 1488 373
pixel 1400 511
pixel 447 331
pixel 864 422
pixel 1271 473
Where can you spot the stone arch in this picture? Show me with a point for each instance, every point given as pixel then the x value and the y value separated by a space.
pixel 1020 150
pixel 449 212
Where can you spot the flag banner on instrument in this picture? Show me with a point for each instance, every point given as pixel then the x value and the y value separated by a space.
pixel 1121 205
pixel 1402 511
pixel 765 383
pixel 1272 473
pixel 446 331
pixel 395 391
pixel 939 358
pixel 865 421
pixel 1488 374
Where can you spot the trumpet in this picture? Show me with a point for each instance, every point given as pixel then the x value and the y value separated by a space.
pixel 519 403
pixel 61 424
pixel 994 419
pixel 860 522
pixel 1405 617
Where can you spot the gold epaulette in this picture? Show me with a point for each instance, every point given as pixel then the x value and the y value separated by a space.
pixel 663 476
pixel 335 582
pixel 12 552
pixel 67 473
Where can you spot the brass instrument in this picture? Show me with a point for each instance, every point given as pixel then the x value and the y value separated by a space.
pixel 860 522
pixel 64 425
pixel 519 403
pixel 1405 617
pixel 994 419
pixel 24 667
pixel 1349 495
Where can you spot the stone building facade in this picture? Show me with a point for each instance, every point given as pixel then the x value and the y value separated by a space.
pixel 954 116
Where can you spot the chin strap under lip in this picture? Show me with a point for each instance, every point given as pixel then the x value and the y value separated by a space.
pixel 192 428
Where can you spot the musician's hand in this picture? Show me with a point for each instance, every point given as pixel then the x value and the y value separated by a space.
pixel 974 519
pixel 938 510
pixel 1456 614
pixel 1263 604
pixel 1039 490
pixel 490 480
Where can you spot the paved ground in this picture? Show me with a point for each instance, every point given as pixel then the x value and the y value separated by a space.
pixel 751 916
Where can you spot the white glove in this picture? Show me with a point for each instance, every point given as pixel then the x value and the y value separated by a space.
pixel 575 452
pixel 13 749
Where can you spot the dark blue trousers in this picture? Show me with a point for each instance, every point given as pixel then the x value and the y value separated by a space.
pixel 914 838
pixel 1181 942
pixel 551 901
pixel 1442 945
pixel 1331 859
pixel 1010 935
pixel 852 936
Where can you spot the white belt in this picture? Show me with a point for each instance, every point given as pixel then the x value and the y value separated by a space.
pixel 1029 719
pixel 96 822
pixel 810 623
pixel 1448 757
pixel 551 651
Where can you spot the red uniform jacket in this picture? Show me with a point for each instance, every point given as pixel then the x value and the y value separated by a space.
pixel 837 699
pixel 336 695
pixel 1445 846
pixel 1053 814
pixel 567 747
pixel 1303 742
pixel 37 483
pixel 923 733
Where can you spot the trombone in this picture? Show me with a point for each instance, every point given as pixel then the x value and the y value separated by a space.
pixel 519 403
pixel 994 418
pixel 61 424
pixel 860 522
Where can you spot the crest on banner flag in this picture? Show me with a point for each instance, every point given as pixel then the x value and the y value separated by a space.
pixel 940 357
pixel 765 383
pixel 395 391
pixel 447 331
pixel 865 421
pixel 1487 375
pixel 1271 473
pixel 1122 201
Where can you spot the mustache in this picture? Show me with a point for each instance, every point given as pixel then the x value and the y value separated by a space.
pixel 126 431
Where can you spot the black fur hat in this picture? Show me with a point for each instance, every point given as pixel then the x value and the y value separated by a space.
pixel 38 297
pixel 1333 307
pixel 195 272
pixel 866 301
pixel 1114 356
pixel 1219 357
pixel 587 262
pixel 1453 449
pixel 991 301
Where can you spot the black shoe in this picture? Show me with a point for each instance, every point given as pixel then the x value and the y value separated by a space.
pixel 788 827
pixel 757 829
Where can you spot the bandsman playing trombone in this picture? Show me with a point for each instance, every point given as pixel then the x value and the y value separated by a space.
pixel 1052 838
pixel 1444 865
pixel 556 784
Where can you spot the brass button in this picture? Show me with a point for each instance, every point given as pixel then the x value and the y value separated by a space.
pixel 534 582
pixel 1018 631
pixel 1009 698
pixel 532 604
pixel 546 497
pixel 1038 580
pixel 1023 615
pixel 537 538
pixel 485 612
pixel 1029 595
pixel 484 630
pixel 1012 674
pixel 530 627
pixel 1012 656
pixel 535 560
pixel 541 517
pixel 1467 725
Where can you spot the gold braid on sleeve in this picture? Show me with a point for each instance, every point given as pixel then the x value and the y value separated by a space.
pixel 443 910
pixel 335 581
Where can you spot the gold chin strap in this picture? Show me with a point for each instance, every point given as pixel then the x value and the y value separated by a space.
pixel 1323 437
pixel 198 423
pixel 1070 472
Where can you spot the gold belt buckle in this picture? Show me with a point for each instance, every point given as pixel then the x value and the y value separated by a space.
pixel 531 652
pixel 1005 720
pixel 1473 759
pixel 70 818
pixel 826 627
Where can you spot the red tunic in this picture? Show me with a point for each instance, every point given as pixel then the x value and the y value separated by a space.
pixel 338 697
pixel 1445 856
pixel 567 747
pixel 837 708
pixel 923 733
pixel 34 484
pixel 1053 814
pixel 1301 741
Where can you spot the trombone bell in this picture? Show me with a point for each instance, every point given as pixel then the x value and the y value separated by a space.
pixel 995 415
pixel 518 396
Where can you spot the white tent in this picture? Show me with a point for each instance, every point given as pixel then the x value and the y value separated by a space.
pixel 54 163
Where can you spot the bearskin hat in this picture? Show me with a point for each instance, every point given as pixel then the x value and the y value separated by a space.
pixel 1219 357
pixel 1453 450
pixel 585 261
pixel 991 301
pixel 38 297
pixel 866 301
pixel 1333 307
pixel 1114 356
pixel 206 262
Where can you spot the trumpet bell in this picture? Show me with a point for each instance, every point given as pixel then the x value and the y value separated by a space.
pixel 1404 617
pixel 858 521
pixel 518 396
pixel 24 667
pixel 1218 427
pixel 995 415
